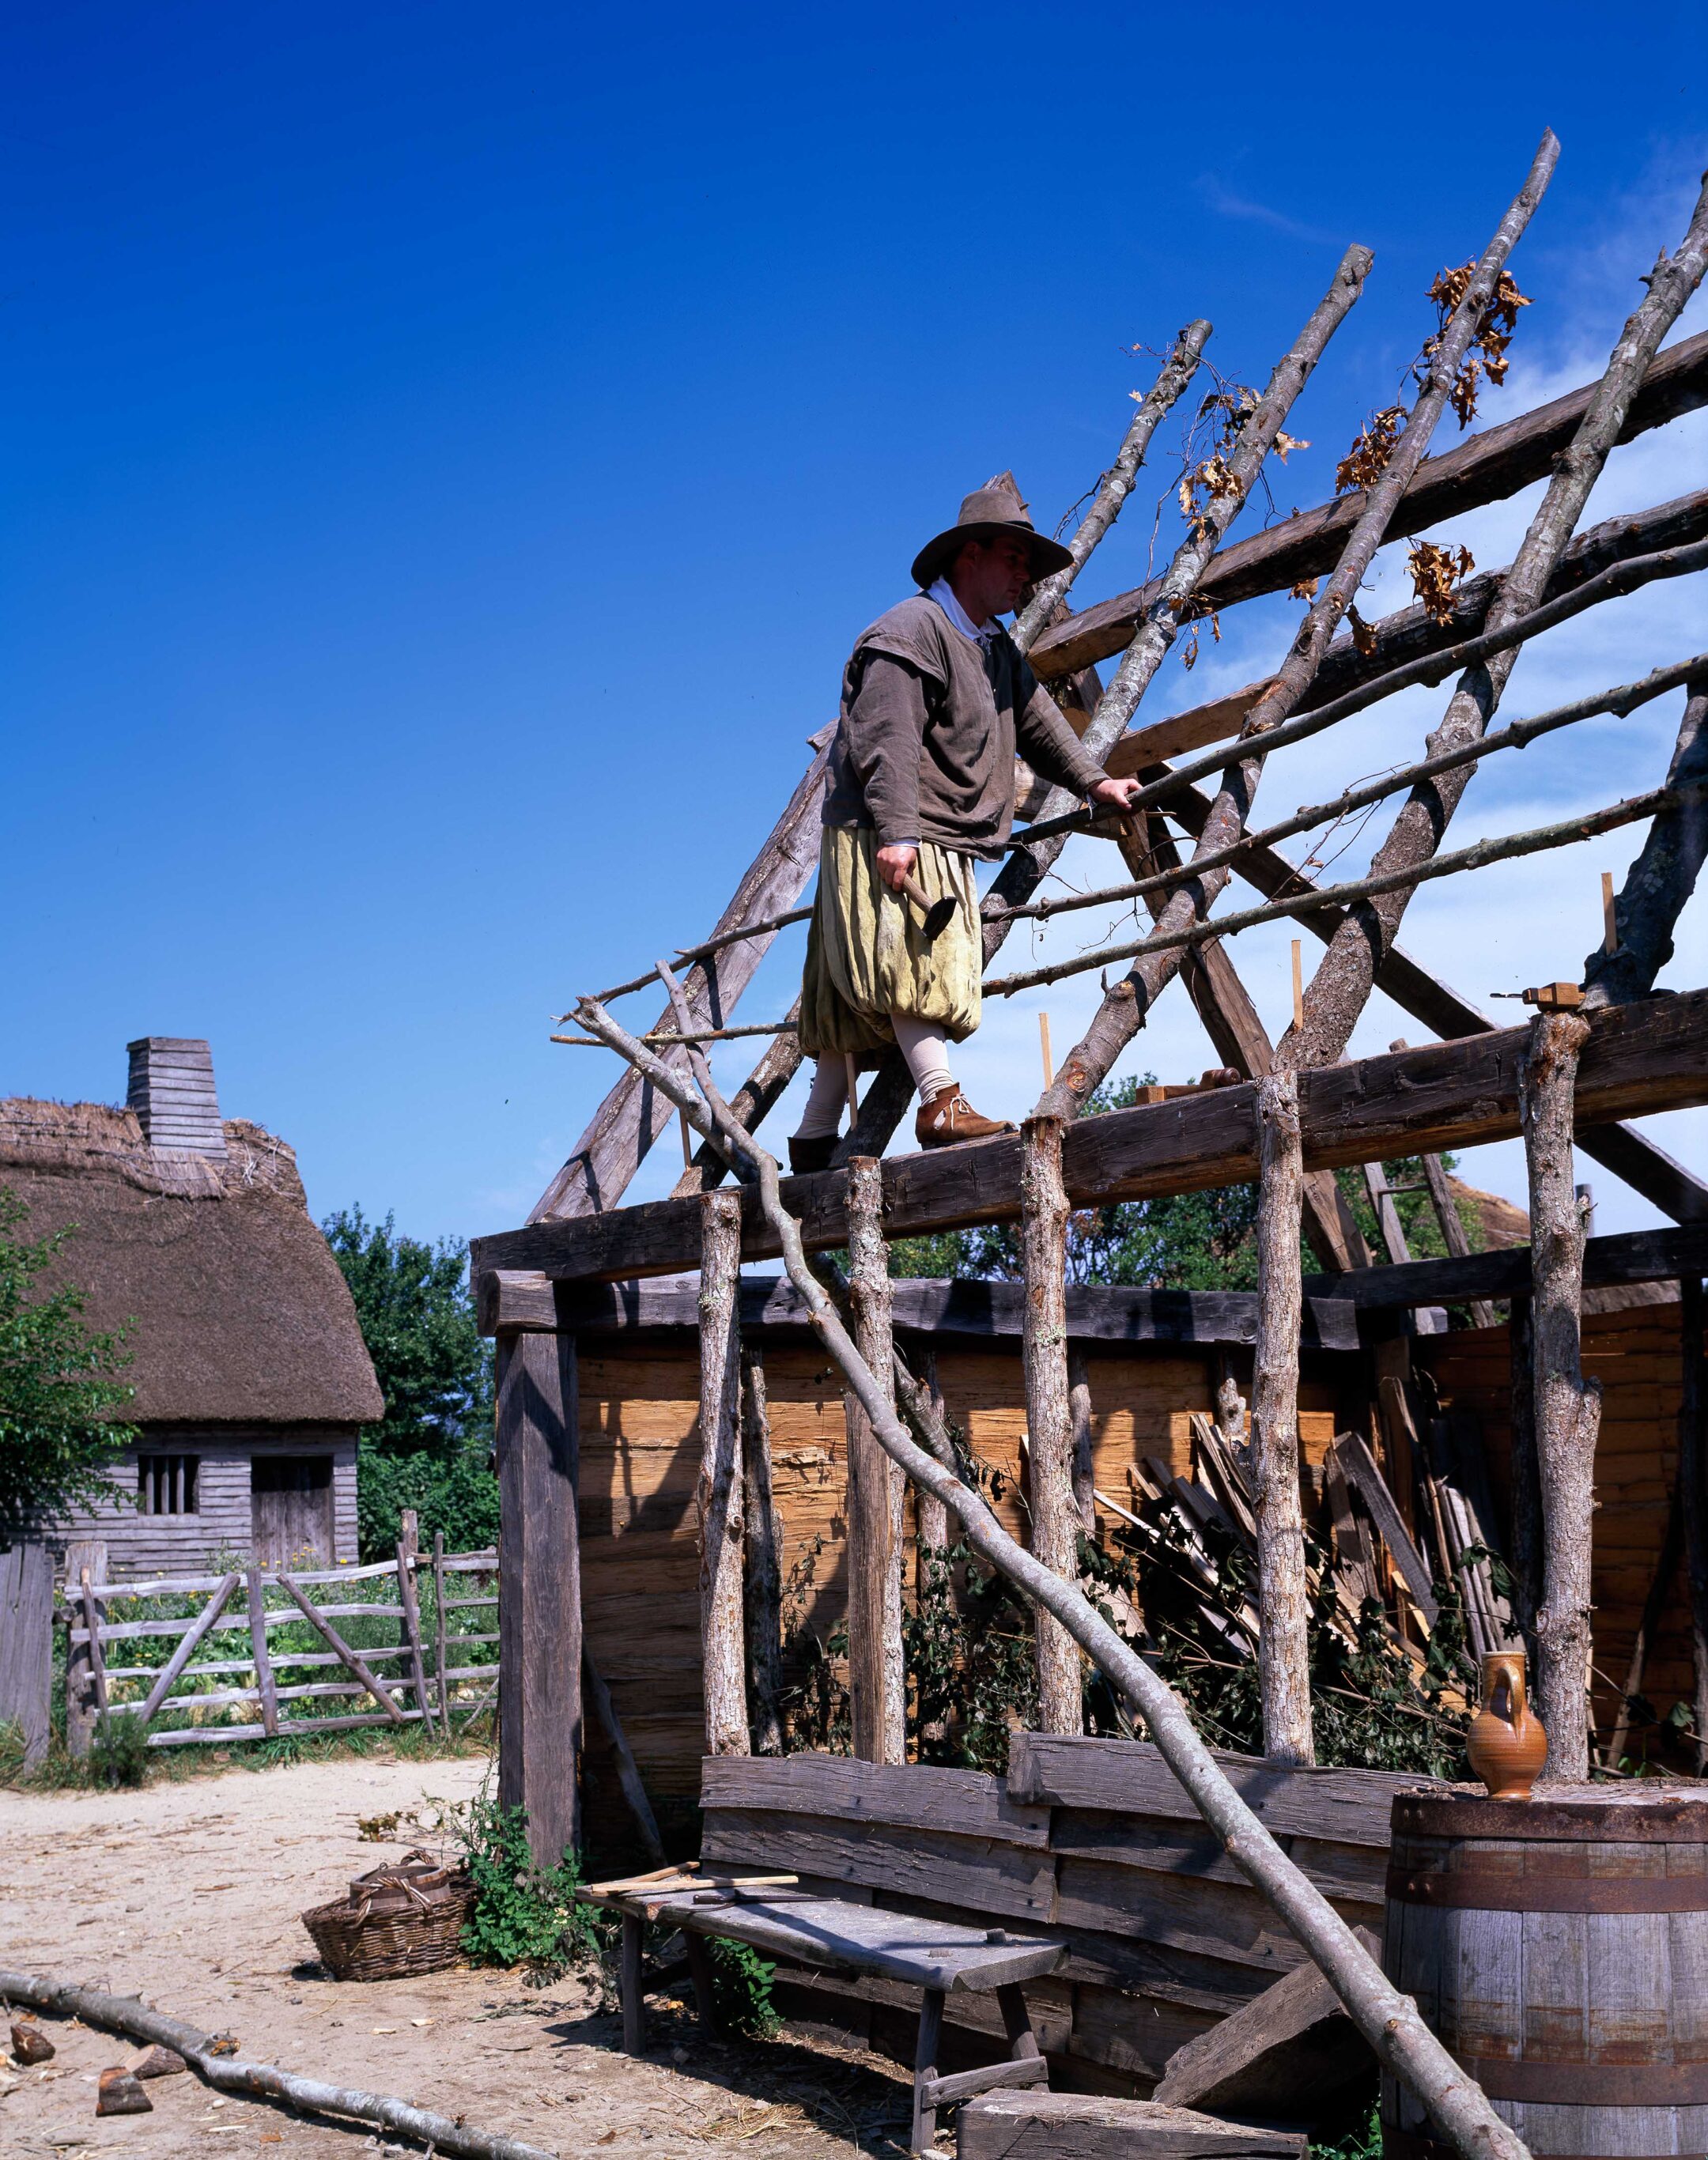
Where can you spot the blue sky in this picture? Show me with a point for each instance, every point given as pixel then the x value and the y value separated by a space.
pixel 449 453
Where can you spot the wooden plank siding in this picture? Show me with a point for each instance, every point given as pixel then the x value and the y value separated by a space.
pixel 223 1524
pixel 1636 1355
pixel 640 1459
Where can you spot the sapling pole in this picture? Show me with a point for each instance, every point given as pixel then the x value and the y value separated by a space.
pixel 1568 1408
pixel 1283 1597
pixel 1049 1414
pixel 719 1490
pixel 1665 874
pixel 1346 975
pixel 877 1677
pixel 1388 2019
pixel 1126 1006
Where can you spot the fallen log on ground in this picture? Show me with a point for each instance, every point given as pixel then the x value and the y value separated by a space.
pixel 232 2074
pixel 1388 2020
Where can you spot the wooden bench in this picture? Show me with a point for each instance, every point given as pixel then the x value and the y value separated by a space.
pixel 787 1920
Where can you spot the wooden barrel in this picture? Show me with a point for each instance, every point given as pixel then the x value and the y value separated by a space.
pixel 1558 1946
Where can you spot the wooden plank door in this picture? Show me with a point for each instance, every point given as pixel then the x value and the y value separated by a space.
pixel 291 1510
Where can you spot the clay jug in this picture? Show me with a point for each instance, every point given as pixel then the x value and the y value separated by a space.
pixel 1506 1744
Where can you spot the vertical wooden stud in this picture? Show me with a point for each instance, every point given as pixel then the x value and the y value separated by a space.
pixel 1568 1409
pixel 1049 1417
pixel 539 1588
pixel 1284 1660
pixel 687 1143
pixel 877 1675
pixel 1298 984
pixel 1610 918
pixel 1044 1049
pixel 722 1634
pixel 850 1066
pixel 763 1563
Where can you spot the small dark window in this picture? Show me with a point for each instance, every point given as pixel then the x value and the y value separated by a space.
pixel 166 1484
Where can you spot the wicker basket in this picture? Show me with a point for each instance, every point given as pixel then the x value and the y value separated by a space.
pixel 405 1916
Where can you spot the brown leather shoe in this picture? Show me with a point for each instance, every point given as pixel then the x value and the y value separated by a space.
pixel 949 1118
pixel 808 1156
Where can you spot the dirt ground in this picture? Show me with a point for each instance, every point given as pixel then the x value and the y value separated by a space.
pixel 188 1894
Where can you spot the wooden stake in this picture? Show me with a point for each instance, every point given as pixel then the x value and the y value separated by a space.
pixel 1284 1660
pixel 264 1684
pixel 1298 983
pixel 1049 1417
pixel 687 1146
pixel 1568 1408
pixel 1044 1047
pixel 719 1491
pixel 851 1067
pixel 763 1571
pixel 1693 1496
pixel 877 1676
pixel 442 1685
pixel 412 1621
pixel 1610 927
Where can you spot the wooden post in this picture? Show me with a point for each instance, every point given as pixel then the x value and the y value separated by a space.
pixel 1049 1417
pixel 27 1645
pixel 441 1687
pixel 1079 1420
pixel 720 1494
pixel 539 1588
pixel 1568 1409
pixel 764 1577
pixel 411 1620
pixel 1693 1495
pixel 1283 1656
pixel 85 1558
pixel 877 1676
pixel 931 1517
pixel 264 1686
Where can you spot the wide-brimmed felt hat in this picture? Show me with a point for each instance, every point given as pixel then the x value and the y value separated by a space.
pixel 988 513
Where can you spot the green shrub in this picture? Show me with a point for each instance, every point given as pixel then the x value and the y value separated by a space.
pixel 118 1751
pixel 741 1989
pixel 524 1914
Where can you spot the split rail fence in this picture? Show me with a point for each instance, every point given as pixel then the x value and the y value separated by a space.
pixel 414 1655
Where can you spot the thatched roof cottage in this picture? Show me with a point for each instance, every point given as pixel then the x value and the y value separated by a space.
pixel 250 1372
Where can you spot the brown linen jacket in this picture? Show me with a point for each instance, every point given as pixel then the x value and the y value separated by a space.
pixel 930 725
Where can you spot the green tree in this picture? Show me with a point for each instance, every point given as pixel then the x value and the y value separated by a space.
pixel 59 1384
pixel 431 1449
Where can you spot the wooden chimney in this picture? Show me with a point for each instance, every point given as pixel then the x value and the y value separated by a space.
pixel 172 1092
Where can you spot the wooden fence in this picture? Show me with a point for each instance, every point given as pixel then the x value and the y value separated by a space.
pixel 426 1647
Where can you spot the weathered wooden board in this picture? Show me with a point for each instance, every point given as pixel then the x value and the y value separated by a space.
pixel 1486 469
pixel 1281 2056
pixel 1053 2125
pixel 1129 1777
pixel 963 1803
pixel 1164 1845
pixel 1229 1920
pixel 1645 1056
pixel 981 1873
pixel 27 1644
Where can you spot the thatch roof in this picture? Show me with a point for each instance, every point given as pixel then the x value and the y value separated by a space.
pixel 238 1313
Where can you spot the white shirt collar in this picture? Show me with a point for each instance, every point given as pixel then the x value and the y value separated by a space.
pixel 944 593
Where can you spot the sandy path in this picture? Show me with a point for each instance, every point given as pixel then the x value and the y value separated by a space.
pixel 188 1894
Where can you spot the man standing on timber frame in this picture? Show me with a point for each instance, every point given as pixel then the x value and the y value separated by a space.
pixel 936 699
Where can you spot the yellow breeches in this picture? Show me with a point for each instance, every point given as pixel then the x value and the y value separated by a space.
pixel 867 955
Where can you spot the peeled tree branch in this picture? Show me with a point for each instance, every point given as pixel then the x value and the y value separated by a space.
pixel 1126 1007
pixel 1387 2019
pixel 1346 975
pixel 1479 856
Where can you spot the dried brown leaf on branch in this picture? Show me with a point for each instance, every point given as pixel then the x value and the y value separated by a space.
pixel 1494 334
pixel 1306 589
pixel 1284 442
pixel 1364 637
pixel 1189 651
pixel 1205 482
pixel 1372 446
pixel 1435 572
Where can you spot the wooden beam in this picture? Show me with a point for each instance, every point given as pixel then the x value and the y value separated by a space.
pixel 510 1302
pixel 1634 1257
pixel 1486 468
pixel 539 1588
pixel 1645 1056
pixel 1412 634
